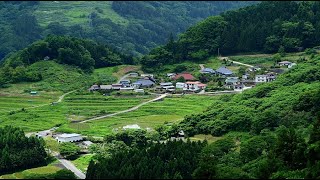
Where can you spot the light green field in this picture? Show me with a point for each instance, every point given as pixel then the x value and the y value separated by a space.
pixel 75 12
pixel 202 137
pixel 50 169
pixel 171 109
pixel 82 162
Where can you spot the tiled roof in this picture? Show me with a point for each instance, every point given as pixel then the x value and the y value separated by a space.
pixel 186 76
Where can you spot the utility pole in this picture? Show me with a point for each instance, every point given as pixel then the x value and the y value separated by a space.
pixel 218 52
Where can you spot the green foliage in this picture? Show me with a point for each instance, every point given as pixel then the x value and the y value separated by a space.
pixel 249 29
pixel 19 152
pixel 69 150
pixel 174 159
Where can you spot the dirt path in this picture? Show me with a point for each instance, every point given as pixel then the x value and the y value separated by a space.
pixel 201 66
pixel 125 111
pixel 236 62
pixel 123 77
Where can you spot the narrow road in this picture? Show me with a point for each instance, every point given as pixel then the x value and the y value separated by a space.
pixel 236 62
pixel 61 97
pixel 72 168
pixel 201 66
pixel 125 111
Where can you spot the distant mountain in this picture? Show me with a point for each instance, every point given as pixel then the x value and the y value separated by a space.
pixel 132 27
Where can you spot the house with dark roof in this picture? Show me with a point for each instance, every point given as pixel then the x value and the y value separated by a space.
pixel 207 71
pixel 143 83
pixel 231 82
pixel 284 63
pixel 186 76
pixel 224 71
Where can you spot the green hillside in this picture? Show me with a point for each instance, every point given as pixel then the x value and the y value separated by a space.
pixel 132 27
pixel 267 27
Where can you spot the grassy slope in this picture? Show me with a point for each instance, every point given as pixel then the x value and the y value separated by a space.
pixel 50 169
pixel 171 110
pixel 72 12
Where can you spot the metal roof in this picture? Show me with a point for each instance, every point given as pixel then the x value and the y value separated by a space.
pixel 68 135
pixel 224 70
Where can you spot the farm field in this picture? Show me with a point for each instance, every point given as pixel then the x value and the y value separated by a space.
pixel 49 169
pixel 70 13
pixel 91 104
pixel 171 109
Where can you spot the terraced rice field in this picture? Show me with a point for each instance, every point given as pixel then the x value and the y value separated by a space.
pixel 171 109
pixel 93 104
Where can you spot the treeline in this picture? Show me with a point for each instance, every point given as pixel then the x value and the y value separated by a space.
pixel 150 24
pixel 85 54
pixel 18 152
pixel 282 154
pixel 264 27
pixel 173 160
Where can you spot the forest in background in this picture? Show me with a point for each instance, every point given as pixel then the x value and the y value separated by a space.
pixel 266 27
pixel 148 24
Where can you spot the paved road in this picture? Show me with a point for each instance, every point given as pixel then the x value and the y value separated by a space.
pixel 125 111
pixel 236 62
pixel 72 168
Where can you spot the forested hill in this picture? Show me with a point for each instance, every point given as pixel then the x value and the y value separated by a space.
pixel 80 53
pixel 264 27
pixel 132 27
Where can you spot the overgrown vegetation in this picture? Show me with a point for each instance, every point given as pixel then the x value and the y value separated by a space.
pixel 19 152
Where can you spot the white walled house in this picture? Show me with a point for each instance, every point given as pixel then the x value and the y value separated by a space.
pixel 180 85
pixel 193 86
pixel 69 138
pixel 260 78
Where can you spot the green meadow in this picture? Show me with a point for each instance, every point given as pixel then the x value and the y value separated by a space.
pixel 171 109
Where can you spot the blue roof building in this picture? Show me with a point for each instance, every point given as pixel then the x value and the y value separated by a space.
pixel 208 71
pixel 224 71
pixel 143 83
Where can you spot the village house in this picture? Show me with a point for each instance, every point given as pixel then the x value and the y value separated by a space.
pixel 143 83
pixel 105 87
pixel 133 74
pixel 139 90
pixel 186 76
pixel 284 63
pixel 33 92
pixel 147 75
pixel 69 138
pixel 116 86
pixel 133 126
pixel 125 83
pixel 194 86
pixel 94 87
pixel 178 136
pixel 168 86
pixel 207 71
pixel 180 85
pixel 86 144
pixel 291 65
pixel 171 75
pixel 126 89
pixel 224 71
pixel 231 82
pixel 254 68
pixel 265 78
pixel 42 134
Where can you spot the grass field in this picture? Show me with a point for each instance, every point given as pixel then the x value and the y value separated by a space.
pixel 171 109
pixel 50 169
pixel 71 12
pixel 82 162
